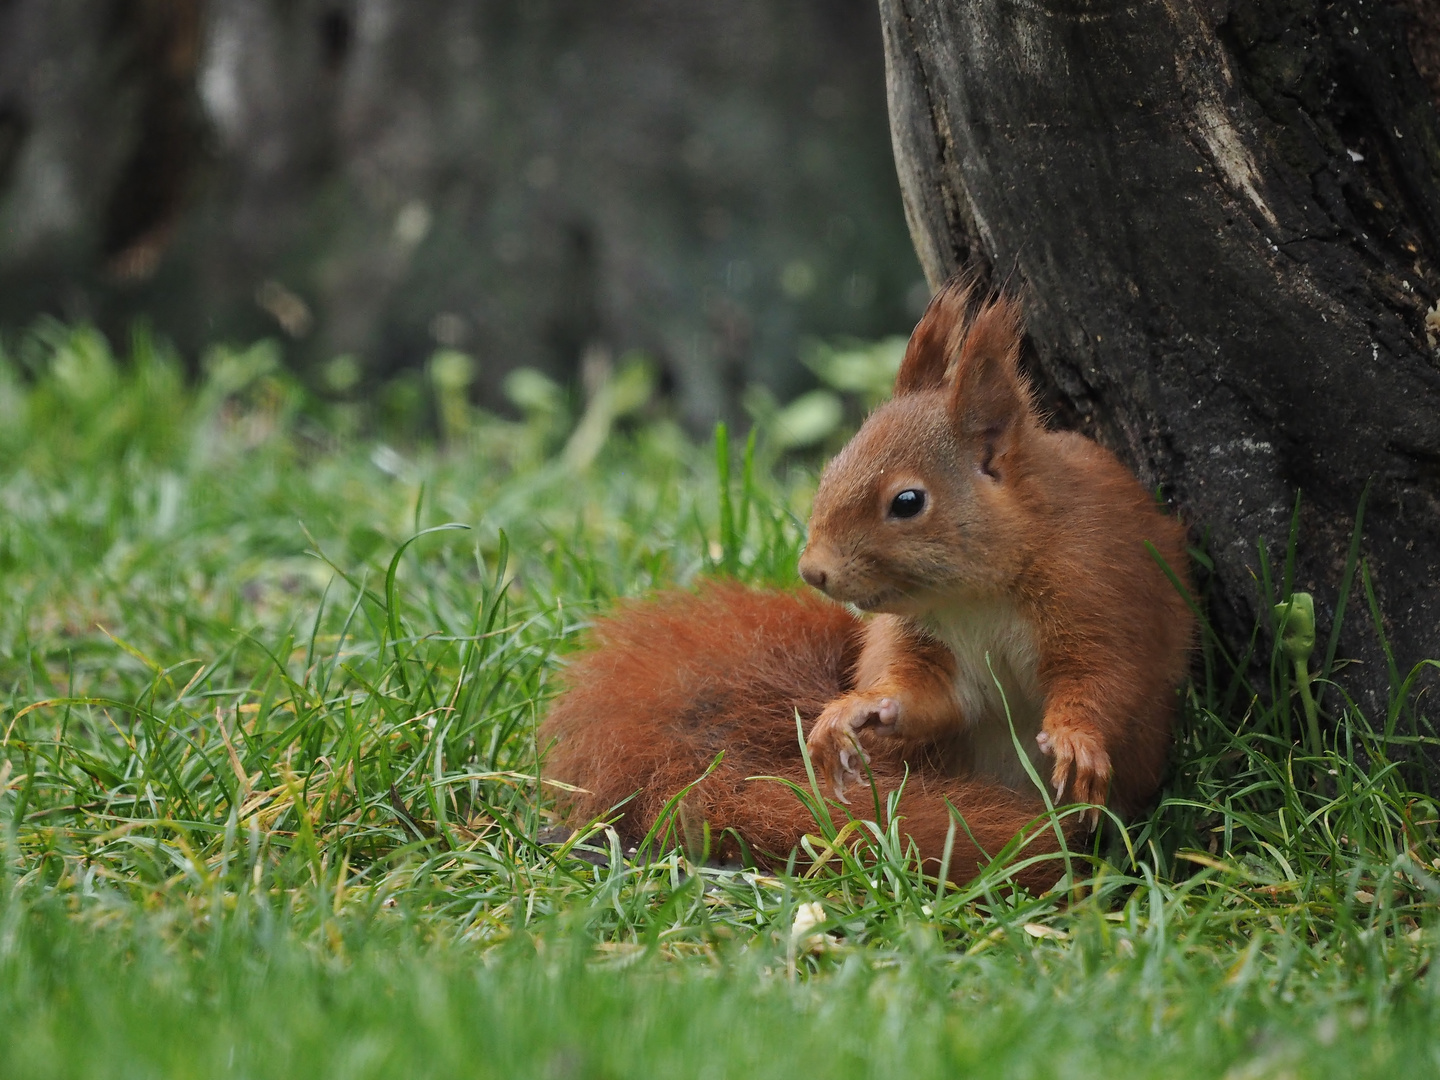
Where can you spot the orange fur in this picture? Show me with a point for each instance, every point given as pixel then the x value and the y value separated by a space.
pixel 667 684
pixel 1028 563
pixel 1020 602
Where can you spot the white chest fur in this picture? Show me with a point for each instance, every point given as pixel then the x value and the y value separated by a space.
pixel 995 629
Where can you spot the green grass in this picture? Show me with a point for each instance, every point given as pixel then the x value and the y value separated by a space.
pixel 268 802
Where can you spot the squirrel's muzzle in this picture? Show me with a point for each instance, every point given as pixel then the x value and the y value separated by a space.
pixel 813 570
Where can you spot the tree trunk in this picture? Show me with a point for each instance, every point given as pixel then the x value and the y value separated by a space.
pixel 1224 218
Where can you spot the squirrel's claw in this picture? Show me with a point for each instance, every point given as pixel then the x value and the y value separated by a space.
pixel 1082 752
pixel 851 759
pixel 837 777
pixel 833 742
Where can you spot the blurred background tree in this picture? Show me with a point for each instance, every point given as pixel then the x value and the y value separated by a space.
pixel 547 184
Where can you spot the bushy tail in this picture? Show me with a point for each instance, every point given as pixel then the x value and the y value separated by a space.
pixel 666 685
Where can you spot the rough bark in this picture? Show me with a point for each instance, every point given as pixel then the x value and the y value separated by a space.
pixel 1224 216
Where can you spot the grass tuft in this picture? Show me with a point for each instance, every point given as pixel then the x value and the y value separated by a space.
pixel 268 796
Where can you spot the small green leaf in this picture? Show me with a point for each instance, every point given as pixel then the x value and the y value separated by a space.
pixel 808 419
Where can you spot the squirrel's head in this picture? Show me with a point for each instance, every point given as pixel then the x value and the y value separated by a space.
pixel 929 500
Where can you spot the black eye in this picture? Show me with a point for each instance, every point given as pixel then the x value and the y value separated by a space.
pixel 908 503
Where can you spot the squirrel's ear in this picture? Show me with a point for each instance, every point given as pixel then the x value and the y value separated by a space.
pixel 934 339
pixel 989 397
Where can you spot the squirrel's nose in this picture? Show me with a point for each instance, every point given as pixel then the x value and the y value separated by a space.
pixel 812 574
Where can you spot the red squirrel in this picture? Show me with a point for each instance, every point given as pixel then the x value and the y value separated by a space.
pixel 985 549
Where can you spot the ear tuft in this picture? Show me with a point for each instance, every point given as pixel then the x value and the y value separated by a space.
pixel 989 396
pixel 933 341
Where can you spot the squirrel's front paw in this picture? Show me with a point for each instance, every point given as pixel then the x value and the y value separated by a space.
pixel 833 746
pixel 1083 752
